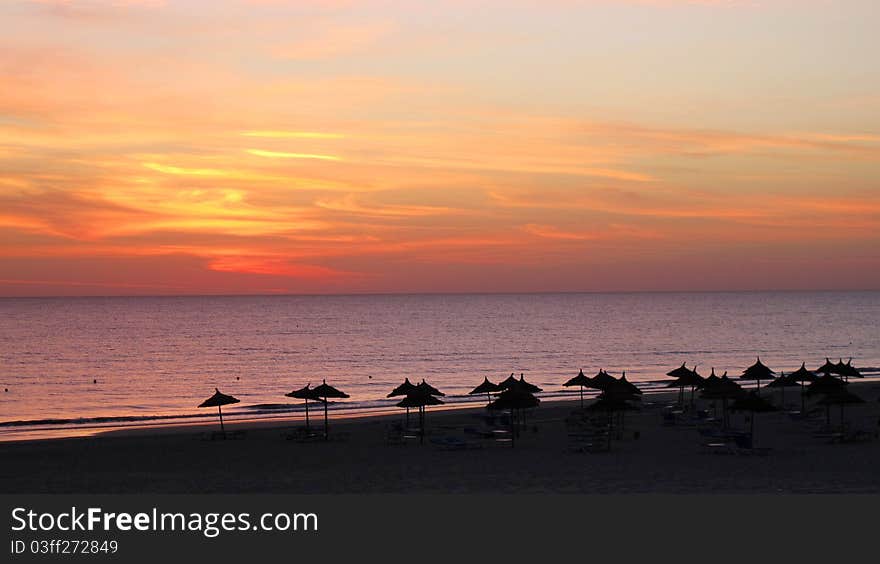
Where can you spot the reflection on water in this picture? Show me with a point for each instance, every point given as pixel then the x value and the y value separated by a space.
pixel 90 359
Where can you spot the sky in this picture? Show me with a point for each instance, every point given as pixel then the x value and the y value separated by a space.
pixel 332 146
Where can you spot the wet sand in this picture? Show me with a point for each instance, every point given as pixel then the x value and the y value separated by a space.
pixel 663 459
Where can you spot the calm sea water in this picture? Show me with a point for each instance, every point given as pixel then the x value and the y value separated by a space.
pixel 162 356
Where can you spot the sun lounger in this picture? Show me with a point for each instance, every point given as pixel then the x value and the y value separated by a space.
pixel 718 447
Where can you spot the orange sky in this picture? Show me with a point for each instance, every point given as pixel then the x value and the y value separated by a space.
pixel 166 147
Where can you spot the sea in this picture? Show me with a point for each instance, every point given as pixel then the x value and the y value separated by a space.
pixel 82 365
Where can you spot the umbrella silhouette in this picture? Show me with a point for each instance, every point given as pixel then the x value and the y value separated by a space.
pixel 326 391
pixel 757 372
pixel 514 399
pixel 429 389
pixel 579 380
pixel 849 371
pixel 305 394
pixel 841 397
pixel 681 375
pixel 724 389
pixel 827 368
pixel 826 385
pixel 802 375
pixel 620 390
pixel 623 387
pixel 508 382
pixel 753 403
pixel 610 404
pixel 406 388
pixel 602 380
pixel 419 397
pixel 531 388
pixel 402 389
pixel 683 378
pixel 487 388
pixel 218 400
pixel 709 382
pixel 784 382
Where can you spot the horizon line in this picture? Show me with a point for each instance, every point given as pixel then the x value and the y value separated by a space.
pixel 441 293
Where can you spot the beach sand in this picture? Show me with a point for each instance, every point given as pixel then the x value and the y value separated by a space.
pixel 663 459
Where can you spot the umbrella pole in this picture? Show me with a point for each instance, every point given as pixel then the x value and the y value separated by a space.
pixel 407 417
pixel 326 433
pixel 512 429
pixel 803 408
pixel 422 425
pixel 307 416
pixel 582 397
pixel 220 412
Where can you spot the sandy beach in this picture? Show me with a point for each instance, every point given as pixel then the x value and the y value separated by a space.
pixel 647 456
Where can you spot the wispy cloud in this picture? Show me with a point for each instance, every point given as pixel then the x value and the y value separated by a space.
pixel 286 155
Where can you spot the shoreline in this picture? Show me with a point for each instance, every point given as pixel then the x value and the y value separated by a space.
pixel 648 457
pixel 24 433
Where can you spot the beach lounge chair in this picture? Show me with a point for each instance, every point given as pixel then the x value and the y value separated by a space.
pixel 718 447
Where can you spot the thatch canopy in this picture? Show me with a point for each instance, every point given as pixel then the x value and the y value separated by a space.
pixel 486 387
pixel 218 399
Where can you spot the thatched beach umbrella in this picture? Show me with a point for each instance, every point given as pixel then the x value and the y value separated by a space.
pixel 685 378
pixel 827 368
pixel 757 372
pixel 842 397
pixel 802 375
pixel 487 388
pixel 419 398
pixel 826 385
pixel 753 403
pixel 429 389
pixel 724 389
pixel 305 394
pixel 531 388
pixel 402 390
pixel 508 382
pixel 218 400
pixel 625 385
pixel 610 404
pixel 849 371
pixel 326 392
pixel 621 390
pixel 681 374
pixel 709 382
pixel 602 380
pixel 784 382
pixel 514 399
pixel 711 379
pixel 579 380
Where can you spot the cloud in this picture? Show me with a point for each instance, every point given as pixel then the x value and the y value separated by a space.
pixel 286 155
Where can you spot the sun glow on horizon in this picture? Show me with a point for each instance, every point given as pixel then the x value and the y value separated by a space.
pixel 514 146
